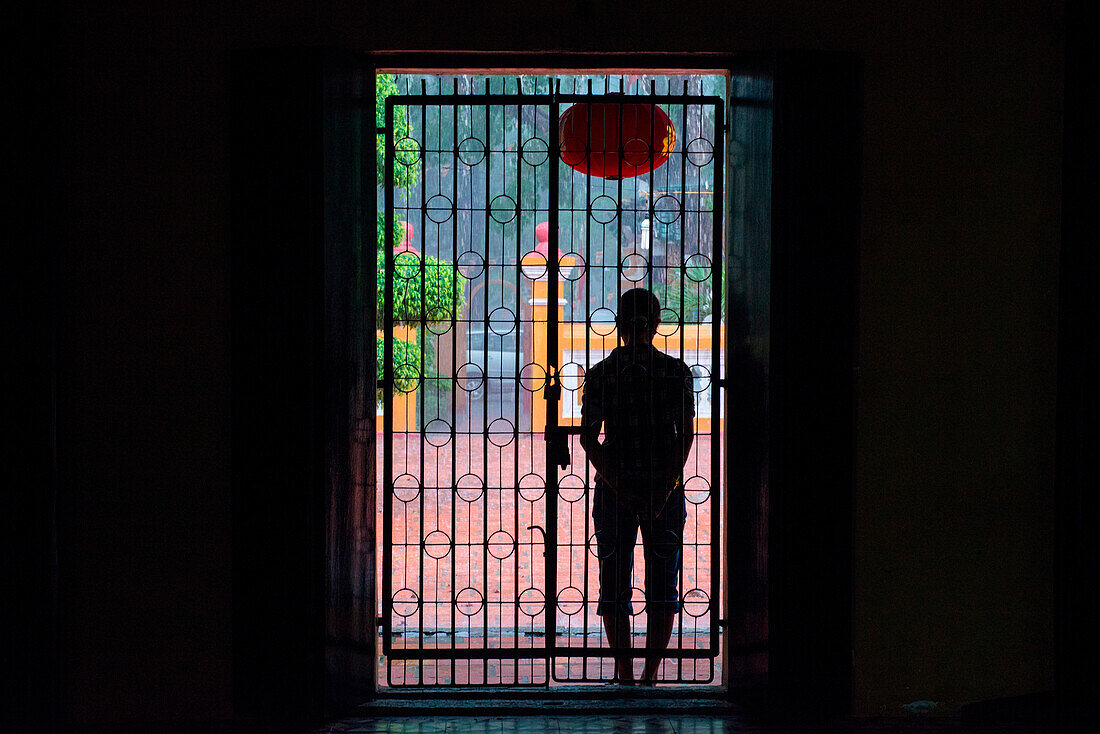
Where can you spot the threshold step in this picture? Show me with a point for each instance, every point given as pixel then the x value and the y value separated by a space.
pixel 611 699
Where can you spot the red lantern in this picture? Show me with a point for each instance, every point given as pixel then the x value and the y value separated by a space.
pixel 647 134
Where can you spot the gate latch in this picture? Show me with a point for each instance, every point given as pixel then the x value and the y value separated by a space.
pixel 557 445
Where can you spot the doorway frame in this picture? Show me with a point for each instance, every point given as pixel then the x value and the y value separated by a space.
pixel 321 639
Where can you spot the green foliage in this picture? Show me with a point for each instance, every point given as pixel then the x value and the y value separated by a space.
pixel 396 238
pixel 696 288
pixel 406 360
pixel 443 288
pixel 404 176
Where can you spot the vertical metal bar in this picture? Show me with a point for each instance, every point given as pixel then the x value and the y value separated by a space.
pixel 619 154
pixel 718 262
pixel 588 215
pixel 387 394
pixel 650 198
pixel 419 336
pixel 589 219
pixel 587 358
pixel 551 563
pixel 587 355
pixel 454 356
pixel 683 319
pixel 485 347
pixel 519 369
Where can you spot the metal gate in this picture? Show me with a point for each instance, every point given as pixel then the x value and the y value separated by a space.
pixel 499 294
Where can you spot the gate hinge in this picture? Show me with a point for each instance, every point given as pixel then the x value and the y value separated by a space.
pixel 380 131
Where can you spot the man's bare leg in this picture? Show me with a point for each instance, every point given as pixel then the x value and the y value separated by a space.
pixel 617 627
pixel 658 631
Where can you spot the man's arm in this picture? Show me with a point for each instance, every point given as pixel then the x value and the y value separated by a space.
pixel 686 434
pixel 598 453
pixel 591 421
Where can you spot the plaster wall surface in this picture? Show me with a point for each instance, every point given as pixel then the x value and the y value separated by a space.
pixel 958 293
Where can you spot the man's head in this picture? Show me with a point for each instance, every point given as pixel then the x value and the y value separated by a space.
pixel 638 316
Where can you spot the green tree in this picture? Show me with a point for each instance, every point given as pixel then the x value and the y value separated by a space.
pixel 425 289
pixel 404 176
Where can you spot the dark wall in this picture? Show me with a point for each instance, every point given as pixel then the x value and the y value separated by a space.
pixel 958 292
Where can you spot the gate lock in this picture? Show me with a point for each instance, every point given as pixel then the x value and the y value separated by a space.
pixel 557 445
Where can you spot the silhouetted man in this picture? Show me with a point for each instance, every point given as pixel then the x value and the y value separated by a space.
pixel 643 399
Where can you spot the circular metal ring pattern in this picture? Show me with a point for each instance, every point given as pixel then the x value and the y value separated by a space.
pixel 405 271
pixel 502 208
pixel 603 321
pixel 469 601
pixel 532 487
pixel 570 600
pixel 439 328
pixel 500 544
pixel 406 151
pixel 437 544
pixel 668 544
pixel 571 488
pixel 696 489
pixel 574 270
pixel 571 375
pixel 533 265
pixel 698 264
pixel 471 151
pixel 535 151
pixel 594 546
pixel 700 374
pixel 666 209
pixel 405 602
pixel 532 601
pixel 635 266
pixel 635 152
pixel 502 321
pixel 670 322
pixel 470 264
pixel 603 209
pixel 696 603
pixel 406 487
pixel 470 377
pixel 637 601
pixel 699 152
pixel 470 487
pixel 438 432
pixel 532 377
pixel 571 151
pixel 406 377
pixel 439 208
pixel 501 432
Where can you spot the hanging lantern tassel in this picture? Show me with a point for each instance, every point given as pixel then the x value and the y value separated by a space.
pixel 647 134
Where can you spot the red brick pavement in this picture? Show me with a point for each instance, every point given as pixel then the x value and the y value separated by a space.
pixel 480 542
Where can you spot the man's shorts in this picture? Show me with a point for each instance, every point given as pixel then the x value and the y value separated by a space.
pixel 662 546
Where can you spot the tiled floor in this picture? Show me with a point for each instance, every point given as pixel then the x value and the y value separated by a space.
pixel 656 724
